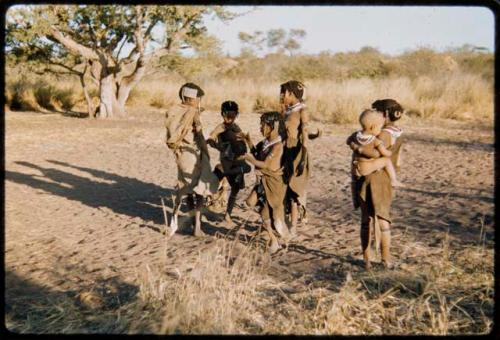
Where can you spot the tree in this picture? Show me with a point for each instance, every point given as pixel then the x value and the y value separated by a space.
pixel 252 42
pixel 276 39
pixel 282 41
pixel 96 36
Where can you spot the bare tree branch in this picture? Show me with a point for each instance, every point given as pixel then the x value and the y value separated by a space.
pixel 73 46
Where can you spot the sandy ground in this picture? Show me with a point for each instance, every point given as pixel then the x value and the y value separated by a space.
pixel 83 205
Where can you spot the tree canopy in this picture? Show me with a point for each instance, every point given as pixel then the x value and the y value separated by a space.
pixel 75 38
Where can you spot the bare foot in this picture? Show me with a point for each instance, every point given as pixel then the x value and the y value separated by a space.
pixel 368 265
pixel 293 231
pixel 388 265
pixel 274 247
pixel 397 184
pixel 228 221
pixel 281 229
pixel 198 232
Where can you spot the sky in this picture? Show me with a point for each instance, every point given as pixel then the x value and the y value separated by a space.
pixel 391 29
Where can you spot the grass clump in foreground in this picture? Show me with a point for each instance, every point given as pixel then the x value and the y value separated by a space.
pixel 228 294
pixel 230 289
pixel 217 295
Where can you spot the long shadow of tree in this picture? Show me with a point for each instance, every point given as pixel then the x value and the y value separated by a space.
pixel 124 195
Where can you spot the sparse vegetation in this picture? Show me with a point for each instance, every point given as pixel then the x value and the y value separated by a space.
pixel 456 84
pixel 227 291
pixel 230 287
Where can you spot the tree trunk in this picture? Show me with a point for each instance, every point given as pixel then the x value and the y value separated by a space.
pixel 109 106
pixel 90 105
pixel 129 82
pixel 123 93
pixel 106 94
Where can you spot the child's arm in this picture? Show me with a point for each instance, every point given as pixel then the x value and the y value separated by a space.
pixel 368 152
pixel 216 132
pixel 304 118
pixel 362 151
pixel 272 160
pixel 212 138
pixel 382 149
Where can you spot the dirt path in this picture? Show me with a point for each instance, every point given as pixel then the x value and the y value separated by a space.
pixel 82 202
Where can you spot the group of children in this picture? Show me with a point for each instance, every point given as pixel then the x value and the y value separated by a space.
pixel 281 159
pixel 269 191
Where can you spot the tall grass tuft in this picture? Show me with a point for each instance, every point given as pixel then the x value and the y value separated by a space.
pixel 40 94
pixel 217 295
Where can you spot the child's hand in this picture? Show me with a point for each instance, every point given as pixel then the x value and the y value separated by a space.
pixel 196 128
pixel 246 157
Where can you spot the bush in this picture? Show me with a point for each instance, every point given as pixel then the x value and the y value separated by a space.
pixel 45 95
pixel 21 95
pixel 66 98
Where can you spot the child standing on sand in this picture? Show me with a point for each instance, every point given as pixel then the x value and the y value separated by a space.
pixel 366 142
pixel 226 138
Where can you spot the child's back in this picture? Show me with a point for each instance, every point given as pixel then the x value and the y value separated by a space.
pixel 231 146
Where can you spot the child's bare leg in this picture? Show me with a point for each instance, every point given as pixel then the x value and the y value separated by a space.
pixel 385 243
pixel 230 205
pixel 389 168
pixel 266 222
pixel 197 216
pixel 279 222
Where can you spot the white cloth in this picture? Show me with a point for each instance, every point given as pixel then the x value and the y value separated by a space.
pixel 267 144
pixel 364 139
pixel 394 131
pixel 189 92
pixel 295 107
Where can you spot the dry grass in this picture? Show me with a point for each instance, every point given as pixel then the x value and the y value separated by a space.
pixel 216 295
pixel 453 95
pixel 227 291
pixel 451 294
pixel 34 93
pixel 456 96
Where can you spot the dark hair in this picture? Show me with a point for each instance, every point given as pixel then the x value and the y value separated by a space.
pixel 200 93
pixel 388 107
pixel 270 118
pixel 293 86
pixel 229 106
